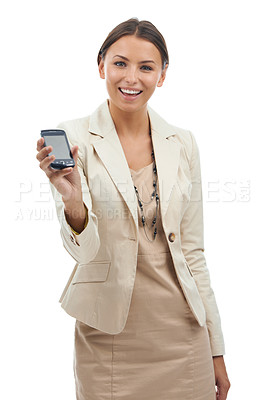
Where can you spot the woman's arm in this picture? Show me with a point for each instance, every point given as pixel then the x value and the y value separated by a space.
pixel 192 243
pixel 221 379
pixel 79 225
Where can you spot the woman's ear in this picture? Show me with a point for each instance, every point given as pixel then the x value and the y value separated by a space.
pixel 163 75
pixel 101 69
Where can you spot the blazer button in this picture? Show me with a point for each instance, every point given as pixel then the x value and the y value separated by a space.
pixel 171 237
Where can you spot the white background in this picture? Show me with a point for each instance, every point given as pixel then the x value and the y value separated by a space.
pixel 215 87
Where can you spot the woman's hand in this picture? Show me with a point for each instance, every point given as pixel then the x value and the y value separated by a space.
pixel 221 379
pixel 67 182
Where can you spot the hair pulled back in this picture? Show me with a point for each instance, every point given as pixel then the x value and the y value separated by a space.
pixel 141 29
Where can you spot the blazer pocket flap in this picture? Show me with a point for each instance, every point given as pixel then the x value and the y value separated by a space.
pixel 94 272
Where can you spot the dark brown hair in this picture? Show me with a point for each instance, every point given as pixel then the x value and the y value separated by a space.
pixel 142 29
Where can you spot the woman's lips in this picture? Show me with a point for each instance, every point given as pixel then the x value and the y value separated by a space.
pixel 127 96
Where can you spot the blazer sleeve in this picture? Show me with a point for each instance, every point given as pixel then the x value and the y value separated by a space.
pixel 192 243
pixel 84 246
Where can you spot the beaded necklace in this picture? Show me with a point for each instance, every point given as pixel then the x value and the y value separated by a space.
pixel 153 195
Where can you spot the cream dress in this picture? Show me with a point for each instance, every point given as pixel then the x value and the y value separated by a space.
pixel 162 353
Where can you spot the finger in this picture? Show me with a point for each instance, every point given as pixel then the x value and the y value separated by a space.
pixel 45 162
pixel 40 144
pixel 43 153
pixel 222 392
pixel 74 151
pixel 57 174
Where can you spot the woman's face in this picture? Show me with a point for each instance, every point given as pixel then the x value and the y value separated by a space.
pixel 132 69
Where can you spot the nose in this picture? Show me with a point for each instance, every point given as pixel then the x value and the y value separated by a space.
pixel 131 76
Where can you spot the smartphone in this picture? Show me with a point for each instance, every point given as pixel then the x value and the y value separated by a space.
pixel 57 138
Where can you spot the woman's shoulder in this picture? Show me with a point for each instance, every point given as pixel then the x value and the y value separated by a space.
pixel 182 135
pixel 174 133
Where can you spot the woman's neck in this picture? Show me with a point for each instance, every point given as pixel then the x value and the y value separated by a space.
pixel 130 124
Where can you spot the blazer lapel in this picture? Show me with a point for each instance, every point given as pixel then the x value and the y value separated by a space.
pixel 108 147
pixel 167 154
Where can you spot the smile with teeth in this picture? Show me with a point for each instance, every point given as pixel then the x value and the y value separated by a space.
pixel 132 92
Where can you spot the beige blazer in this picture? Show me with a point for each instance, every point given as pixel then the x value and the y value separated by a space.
pixel 99 289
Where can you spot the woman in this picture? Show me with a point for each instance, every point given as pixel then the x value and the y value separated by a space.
pixel 147 324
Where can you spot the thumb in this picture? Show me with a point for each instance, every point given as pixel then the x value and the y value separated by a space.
pixel 74 151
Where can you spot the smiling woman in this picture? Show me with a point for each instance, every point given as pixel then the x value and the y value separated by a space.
pixel 132 67
pixel 147 322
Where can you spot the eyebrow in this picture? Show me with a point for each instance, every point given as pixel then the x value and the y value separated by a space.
pixel 141 62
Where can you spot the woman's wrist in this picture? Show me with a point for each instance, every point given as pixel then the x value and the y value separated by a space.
pixel 75 213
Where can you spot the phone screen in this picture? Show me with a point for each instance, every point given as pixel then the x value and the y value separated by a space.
pixel 59 144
